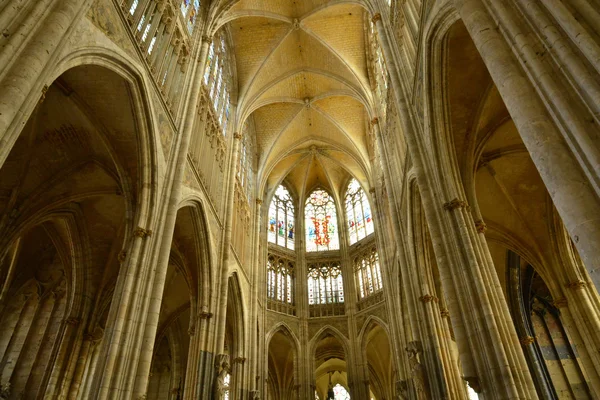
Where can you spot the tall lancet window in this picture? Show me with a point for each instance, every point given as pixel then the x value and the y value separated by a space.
pixel 282 230
pixel 321 222
pixel 189 10
pixel 358 212
pixel 325 283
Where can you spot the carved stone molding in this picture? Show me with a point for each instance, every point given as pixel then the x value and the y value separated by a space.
pixel 376 17
pixel 141 232
pixel 454 204
pixel 527 340
pixel 480 226
pixel 122 255
pixel 576 285
pixel 427 298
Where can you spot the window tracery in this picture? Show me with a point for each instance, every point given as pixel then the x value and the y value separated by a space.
pixel 321 222
pixel 358 212
pixel 368 273
pixel 281 229
pixel 325 283
pixel 280 277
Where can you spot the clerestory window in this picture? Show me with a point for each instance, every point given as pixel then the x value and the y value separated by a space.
pixel 358 212
pixel 281 229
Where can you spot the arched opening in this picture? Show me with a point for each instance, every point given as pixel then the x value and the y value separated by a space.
pixel 331 370
pixel 74 183
pixel 380 370
pixel 282 359
pixel 508 199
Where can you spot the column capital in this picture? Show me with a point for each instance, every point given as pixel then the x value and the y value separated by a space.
pixel 375 121
pixel 560 303
pixel 141 232
pixel 239 360
pixel 376 17
pixel 480 226
pixel 454 204
pixel 206 39
pixel 237 135
pixel 259 202
pixel 427 298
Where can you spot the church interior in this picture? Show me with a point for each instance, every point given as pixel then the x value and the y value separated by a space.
pixel 300 199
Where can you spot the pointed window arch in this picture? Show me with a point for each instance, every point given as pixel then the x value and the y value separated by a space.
pixel 321 222
pixel 358 212
pixel 282 229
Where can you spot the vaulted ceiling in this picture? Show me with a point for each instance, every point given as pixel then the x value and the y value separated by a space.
pixel 303 79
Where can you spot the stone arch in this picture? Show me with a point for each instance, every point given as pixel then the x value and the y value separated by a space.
pixel 281 383
pixel 374 356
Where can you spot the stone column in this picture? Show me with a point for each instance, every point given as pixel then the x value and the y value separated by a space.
pixel 221 316
pixel 491 357
pixel 135 310
pixel 258 278
pixel 575 196
pixel 32 38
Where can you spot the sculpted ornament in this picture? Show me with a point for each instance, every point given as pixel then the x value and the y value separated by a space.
pixel 417 370
pixel 222 367
pixel 402 390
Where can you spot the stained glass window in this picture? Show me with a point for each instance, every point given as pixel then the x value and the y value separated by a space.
pixel 321 222
pixel 281 228
pixel 368 273
pixel 280 279
pixel 190 13
pixel 358 212
pixel 340 393
pixel 325 283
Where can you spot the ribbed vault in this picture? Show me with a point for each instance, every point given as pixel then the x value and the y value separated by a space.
pixel 302 72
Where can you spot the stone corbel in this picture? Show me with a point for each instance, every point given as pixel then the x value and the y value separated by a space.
pixel 454 204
